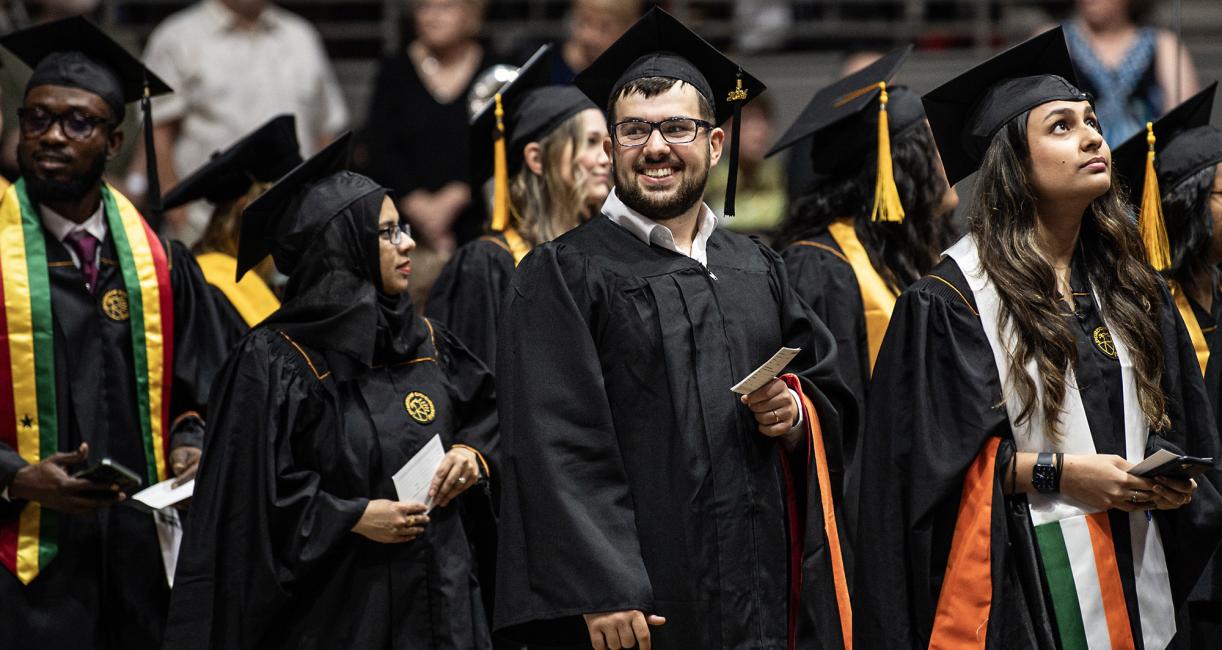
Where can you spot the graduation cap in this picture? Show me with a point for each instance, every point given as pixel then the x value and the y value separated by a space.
pixel 1178 145
pixel 525 110
pixel 73 52
pixel 265 217
pixel 850 115
pixel 262 156
pixel 967 111
pixel 658 45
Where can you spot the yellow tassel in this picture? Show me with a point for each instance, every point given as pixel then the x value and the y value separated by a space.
pixel 887 206
pixel 1153 230
pixel 500 175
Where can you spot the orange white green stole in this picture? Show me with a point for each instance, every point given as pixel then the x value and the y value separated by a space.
pixel 28 416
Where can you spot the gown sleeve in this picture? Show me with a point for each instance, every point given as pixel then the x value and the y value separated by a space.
pixel 474 391
pixel 568 538
pixel 260 524
pixel 201 344
pixel 467 295
pixel 934 403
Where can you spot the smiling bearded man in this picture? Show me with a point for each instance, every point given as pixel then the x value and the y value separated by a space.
pixel 644 503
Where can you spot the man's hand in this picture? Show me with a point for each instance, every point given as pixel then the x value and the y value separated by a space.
pixel 392 522
pixel 48 483
pixel 616 630
pixel 774 408
pixel 184 462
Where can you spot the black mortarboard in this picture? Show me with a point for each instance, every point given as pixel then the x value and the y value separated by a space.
pixel 267 217
pixel 531 109
pixel 1184 144
pixel 658 45
pixel 73 52
pixel 262 156
pixel 967 111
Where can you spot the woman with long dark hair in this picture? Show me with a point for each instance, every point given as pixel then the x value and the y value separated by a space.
pixel 556 175
pixel 1018 385
pixel 298 538
pixel 1189 191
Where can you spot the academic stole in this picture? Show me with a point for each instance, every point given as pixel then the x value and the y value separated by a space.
pixel 251 297
pixel 28 414
pixel 877 297
pixel 1195 333
pixel 1076 545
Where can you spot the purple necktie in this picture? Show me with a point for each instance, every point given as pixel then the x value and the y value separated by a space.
pixel 85 246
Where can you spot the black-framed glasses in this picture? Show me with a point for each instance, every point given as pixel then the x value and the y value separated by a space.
pixel 395 234
pixel 76 125
pixel 675 130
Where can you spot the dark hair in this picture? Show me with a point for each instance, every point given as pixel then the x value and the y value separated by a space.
pixel 901 253
pixel 652 87
pixel 1001 217
pixel 1190 225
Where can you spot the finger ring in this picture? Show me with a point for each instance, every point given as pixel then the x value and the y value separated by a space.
pixel 776 419
pixel 462 480
pixel 1133 499
pixel 411 520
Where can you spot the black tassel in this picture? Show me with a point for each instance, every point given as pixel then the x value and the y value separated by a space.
pixel 738 97
pixel 152 203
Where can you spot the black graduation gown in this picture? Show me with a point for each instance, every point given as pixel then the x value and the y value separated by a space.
pixel 936 400
pixel 291 459
pixel 106 587
pixel 467 295
pixel 634 478
pixel 1205 603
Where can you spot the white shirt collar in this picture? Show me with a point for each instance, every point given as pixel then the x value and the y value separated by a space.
pixel 60 227
pixel 653 233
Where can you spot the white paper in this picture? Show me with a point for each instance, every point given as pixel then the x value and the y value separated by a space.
pixel 412 481
pixel 766 372
pixel 164 494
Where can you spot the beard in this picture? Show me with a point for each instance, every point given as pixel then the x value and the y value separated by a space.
pixel 43 190
pixel 652 204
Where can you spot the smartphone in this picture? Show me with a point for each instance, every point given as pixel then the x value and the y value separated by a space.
pixel 111 472
pixel 1181 468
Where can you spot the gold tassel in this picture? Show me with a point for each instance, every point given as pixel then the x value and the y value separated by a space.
pixel 1153 230
pixel 887 206
pixel 500 174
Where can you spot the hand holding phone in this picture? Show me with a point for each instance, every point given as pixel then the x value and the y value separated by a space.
pixel 47 483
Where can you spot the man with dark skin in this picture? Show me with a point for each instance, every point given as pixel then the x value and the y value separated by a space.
pixel 107 347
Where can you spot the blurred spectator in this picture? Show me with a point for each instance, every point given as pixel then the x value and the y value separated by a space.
pixel 416 139
pixel 233 65
pixel 593 26
pixel 764 24
pixel 1130 67
pixel 760 202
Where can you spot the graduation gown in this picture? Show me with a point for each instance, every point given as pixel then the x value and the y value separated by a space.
pixel 634 478
pixel 292 458
pixel 241 304
pixel 938 411
pixel 467 295
pixel 106 587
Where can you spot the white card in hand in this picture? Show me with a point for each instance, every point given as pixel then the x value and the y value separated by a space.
pixel 164 494
pixel 412 481
pixel 766 372
pixel 1157 459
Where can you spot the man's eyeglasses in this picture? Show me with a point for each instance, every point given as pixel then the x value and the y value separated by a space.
pixel 676 130
pixel 395 234
pixel 75 124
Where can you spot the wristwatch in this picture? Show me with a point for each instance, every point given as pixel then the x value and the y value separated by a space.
pixel 1044 474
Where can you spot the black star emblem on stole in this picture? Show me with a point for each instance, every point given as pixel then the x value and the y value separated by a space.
pixel 27 421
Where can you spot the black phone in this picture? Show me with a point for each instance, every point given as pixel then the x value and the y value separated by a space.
pixel 111 472
pixel 1181 468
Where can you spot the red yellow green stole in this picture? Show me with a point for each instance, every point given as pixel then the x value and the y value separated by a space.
pixel 28 419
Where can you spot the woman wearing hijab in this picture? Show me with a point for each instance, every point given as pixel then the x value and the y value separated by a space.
pixel 1018 384
pixel 556 176
pixel 297 539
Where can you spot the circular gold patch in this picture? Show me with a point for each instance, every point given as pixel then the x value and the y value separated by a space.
pixel 420 407
pixel 114 305
pixel 1103 341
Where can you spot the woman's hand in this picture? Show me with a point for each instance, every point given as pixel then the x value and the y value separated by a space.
pixel 1102 481
pixel 392 522
pixel 458 471
pixel 1170 493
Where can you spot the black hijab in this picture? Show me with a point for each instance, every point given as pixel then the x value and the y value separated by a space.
pixel 327 243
